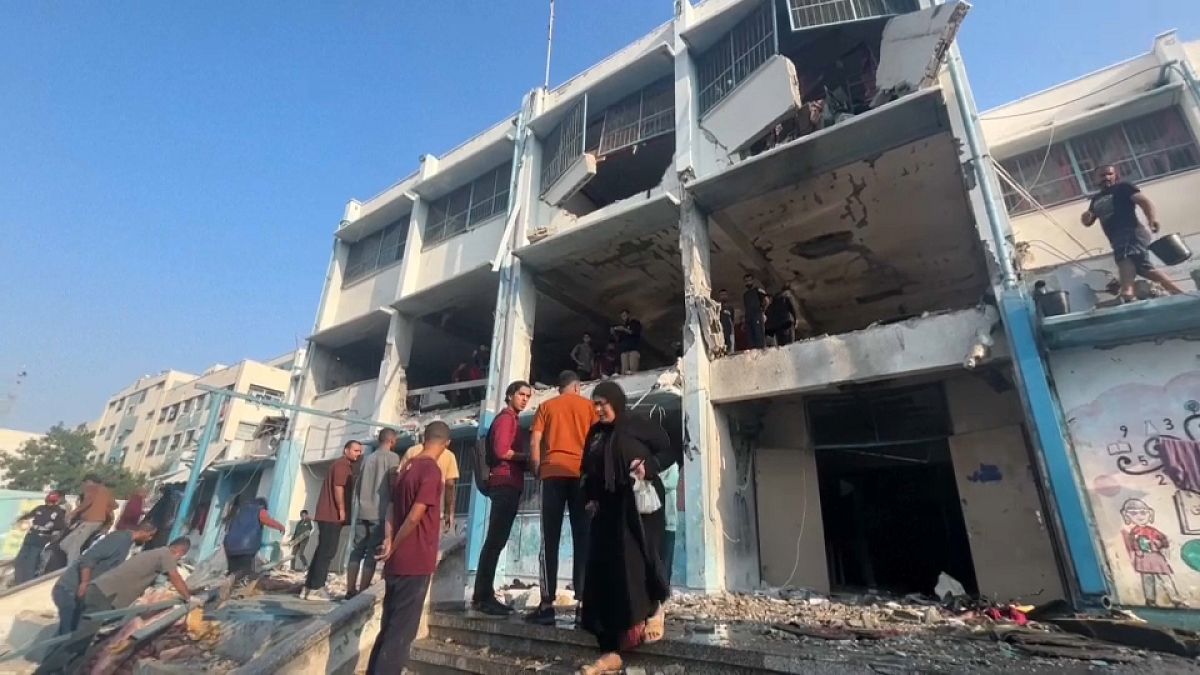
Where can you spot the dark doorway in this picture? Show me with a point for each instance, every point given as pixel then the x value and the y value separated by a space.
pixel 890 506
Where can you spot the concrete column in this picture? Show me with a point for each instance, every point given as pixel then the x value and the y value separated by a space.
pixel 704 546
pixel 410 268
pixel 391 390
pixel 516 301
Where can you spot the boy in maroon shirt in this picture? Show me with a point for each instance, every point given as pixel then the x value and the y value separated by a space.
pixel 409 552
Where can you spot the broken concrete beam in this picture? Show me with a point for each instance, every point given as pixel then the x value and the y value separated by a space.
pixel 920 345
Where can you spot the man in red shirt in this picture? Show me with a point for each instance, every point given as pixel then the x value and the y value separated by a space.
pixel 508 453
pixel 409 552
pixel 333 512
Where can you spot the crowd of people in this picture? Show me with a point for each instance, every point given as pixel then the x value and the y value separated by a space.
pixel 611 471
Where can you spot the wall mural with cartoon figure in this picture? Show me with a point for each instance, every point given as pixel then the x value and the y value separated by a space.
pixel 1133 415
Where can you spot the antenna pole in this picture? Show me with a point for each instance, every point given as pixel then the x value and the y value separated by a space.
pixel 549 46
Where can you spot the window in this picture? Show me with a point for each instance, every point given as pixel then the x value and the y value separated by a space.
pixel 142 396
pixel 376 251
pixel 172 412
pixel 735 56
pixel 189 437
pixel 138 448
pixel 645 114
pixel 1145 147
pixel 469 205
pixel 175 441
pixel 265 393
pixel 120 403
pixel 810 13
pixel 245 431
pixel 200 400
pixel 108 434
pixel 153 447
pixel 150 414
pixel 564 145
pixel 162 444
pixel 162 415
pixel 187 406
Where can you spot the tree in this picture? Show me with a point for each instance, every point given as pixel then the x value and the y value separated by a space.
pixel 60 460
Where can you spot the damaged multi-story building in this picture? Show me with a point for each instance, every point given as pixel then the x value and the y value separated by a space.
pixel 828 148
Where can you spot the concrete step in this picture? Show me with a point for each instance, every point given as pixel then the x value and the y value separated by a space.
pixel 431 657
pixel 702 655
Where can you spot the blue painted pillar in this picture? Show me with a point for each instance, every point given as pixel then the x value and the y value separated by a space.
pixel 216 400
pixel 212 524
pixel 480 508
pixel 1050 435
pixel 279 501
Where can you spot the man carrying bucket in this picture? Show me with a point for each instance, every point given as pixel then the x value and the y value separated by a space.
pixel 1113 206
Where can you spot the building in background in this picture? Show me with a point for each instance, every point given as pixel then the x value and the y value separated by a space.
pixel 830 151
pixel 154 425
pixel 1127 377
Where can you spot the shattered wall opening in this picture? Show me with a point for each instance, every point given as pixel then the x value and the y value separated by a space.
pixel 887 485
pixel 888 497
pixel 876 241
pixel 451 347
pixel 343 365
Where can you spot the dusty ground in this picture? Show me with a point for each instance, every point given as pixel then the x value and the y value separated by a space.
pixel 885 634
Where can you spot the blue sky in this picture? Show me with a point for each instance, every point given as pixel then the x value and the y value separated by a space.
pixel 171 173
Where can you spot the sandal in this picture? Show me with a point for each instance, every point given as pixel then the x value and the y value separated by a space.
pixel 608 664
pixel 656 626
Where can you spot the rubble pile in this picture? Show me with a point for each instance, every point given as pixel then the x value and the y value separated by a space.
pixel 807 608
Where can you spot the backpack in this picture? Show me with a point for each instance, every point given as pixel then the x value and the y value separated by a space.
pixel 485 460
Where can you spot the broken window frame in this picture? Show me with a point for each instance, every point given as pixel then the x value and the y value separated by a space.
pixel 468 206
pixel 806 14
pixel 565 144
pixel 645 114
pixel 1133 140
pixel 376 251
pixel 723 67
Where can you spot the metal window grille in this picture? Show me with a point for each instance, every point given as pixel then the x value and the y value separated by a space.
pixel 645 114
pixel 812 13
pixel 735 56
pixel 376 251
pixel 468 206
pixel 1150 146
pixel 565 144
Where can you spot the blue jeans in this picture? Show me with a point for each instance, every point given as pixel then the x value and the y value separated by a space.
pixel 68 608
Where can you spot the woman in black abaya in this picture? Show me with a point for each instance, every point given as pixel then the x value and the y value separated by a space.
pixel 625 586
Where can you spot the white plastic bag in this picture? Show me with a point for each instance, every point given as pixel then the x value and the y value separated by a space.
pixel 645 497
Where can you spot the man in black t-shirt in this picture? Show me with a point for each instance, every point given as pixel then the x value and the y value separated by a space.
pixel 755 301
pixel 1114 206
pixel 45 521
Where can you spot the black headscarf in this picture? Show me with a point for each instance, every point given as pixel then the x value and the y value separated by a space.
pixel 611 391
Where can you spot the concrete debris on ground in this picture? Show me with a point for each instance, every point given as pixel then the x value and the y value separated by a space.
pixel 919 629
pixel 526 597
pixel 237 624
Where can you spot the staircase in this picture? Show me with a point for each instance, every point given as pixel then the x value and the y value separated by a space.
pixel 463 642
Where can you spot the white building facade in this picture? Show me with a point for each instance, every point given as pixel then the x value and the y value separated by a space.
pixel 658 177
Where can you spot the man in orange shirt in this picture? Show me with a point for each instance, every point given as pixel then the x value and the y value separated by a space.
pixel 556 456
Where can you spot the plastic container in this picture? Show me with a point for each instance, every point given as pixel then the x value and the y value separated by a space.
pixel 1054 303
